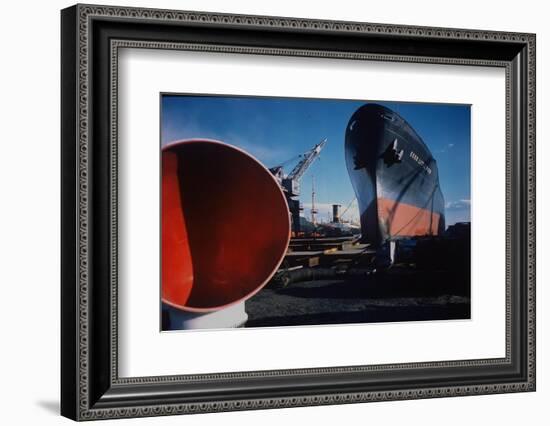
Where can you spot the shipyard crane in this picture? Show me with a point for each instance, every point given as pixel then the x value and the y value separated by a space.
pixel 307 158
pixel 291 182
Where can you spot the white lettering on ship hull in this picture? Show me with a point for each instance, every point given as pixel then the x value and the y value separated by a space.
pixel 420 162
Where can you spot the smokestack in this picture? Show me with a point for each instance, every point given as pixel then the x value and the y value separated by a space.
pixel 336 213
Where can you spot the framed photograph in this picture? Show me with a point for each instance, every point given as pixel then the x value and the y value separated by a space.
pixel 263 212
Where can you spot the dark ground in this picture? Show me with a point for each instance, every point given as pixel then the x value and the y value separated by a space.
pixel 401 293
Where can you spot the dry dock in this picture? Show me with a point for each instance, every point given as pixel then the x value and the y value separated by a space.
pixel 333 281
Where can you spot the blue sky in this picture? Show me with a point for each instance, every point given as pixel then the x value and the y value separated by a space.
pixel 275 130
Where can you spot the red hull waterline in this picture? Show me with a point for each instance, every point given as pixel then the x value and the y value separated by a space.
pixel 404 220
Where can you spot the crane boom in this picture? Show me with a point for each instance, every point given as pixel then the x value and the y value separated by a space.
pixel 291 182
pixel 308 158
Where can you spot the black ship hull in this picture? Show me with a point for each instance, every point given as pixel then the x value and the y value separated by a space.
pixel 394 175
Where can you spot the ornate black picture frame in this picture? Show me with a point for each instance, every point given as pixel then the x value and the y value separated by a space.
pixel 91 387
